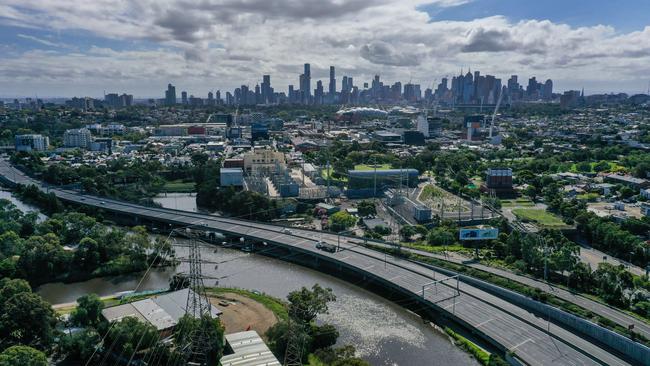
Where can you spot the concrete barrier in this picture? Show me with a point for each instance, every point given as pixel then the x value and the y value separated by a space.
pixel 634 350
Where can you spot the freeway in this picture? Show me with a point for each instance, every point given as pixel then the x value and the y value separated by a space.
pixel 531 338
pixel 596 307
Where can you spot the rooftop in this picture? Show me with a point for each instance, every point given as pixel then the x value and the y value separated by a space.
pixel 249 350
pixel 163 311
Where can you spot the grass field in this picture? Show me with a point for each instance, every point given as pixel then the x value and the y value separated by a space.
pixel 613 167
pixel 591 197
pixel 326 172
pixel 371 167
pixel 541 217
pixel 178 186
pixel 520 202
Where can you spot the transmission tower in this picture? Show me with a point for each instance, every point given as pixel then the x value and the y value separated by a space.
pixel 295 340
pixel 197 306
pixel 293 353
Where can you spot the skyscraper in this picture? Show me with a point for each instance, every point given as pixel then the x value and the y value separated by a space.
pixel 184 97
pixel 170 95
pixel 267 94
pixel 305 84
pixel 332 88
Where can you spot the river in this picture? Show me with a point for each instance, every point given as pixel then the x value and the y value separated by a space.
pixel 24 207
pixel 382 332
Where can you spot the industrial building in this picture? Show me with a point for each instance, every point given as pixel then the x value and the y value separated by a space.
pixel 247 349
pixel 162 311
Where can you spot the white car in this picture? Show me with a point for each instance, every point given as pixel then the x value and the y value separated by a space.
pixel 287 231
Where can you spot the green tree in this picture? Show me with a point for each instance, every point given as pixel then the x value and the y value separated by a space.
pixel 23 356
pixel 88 310
pixel 305 304
pixel 79 346
pixel 342 220
pixel 366 208
pixel 210 327
pixel 27 319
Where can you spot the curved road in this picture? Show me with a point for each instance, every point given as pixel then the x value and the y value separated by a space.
pixel 531 338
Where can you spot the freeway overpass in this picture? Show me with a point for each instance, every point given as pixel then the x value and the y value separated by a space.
pixel 528 337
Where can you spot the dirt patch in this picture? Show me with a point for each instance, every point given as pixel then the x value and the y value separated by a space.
pixel 243 313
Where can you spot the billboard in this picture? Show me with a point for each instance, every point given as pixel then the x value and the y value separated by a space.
pixel 479 233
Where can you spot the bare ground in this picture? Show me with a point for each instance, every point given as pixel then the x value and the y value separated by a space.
pixel 243 313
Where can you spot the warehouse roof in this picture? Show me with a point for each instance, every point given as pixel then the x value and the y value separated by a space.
pixel 249 350
pixel 161 311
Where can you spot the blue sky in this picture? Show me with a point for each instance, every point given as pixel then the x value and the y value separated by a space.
pixel 78 47
pixel 624 15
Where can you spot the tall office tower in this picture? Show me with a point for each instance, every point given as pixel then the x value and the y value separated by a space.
pixel 218 97
pixel 513 84
pixel 258 94
pixel 243 95
pixel 230 100
pixel 290 95
pixel 318 93
pixel 210 98
pixel 170 95
pixel 332 88
pixel 350 83
pixel 305 84
pixel 547 93
pixel 184 97
pixel 344 84
pixel 375 86
pixel 267 94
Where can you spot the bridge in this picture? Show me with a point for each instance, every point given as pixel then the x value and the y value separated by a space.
pixel 526 337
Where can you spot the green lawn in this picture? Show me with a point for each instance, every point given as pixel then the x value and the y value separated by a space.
pixel 325 174
pixel 178 186
pixel 371 167
pixel 591 197
pixel 520 202
pixel 541 217
pixel 613 167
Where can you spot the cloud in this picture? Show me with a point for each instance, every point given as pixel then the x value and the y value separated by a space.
pixel 383 53
pixel 485 40
pixel 221 44
pixel 43 41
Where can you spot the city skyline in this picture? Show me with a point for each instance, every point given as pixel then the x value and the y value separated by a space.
pixel 52 49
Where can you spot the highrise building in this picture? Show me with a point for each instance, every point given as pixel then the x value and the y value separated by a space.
pixel 332 88
pixel 305 84
pixel 170 95
pixel 318 93
pixel 77 138
pixel 184 97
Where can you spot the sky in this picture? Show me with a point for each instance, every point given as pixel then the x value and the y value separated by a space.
pixel 69 48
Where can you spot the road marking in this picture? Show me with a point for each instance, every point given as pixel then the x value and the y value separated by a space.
pixel 483 323
pixel 520 344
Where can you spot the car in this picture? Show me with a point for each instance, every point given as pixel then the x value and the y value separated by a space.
pixel 286 230
pixel 83 199
pixel 102 203
pixel 326 247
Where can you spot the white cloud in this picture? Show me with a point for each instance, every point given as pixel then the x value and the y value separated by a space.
pixel 211 44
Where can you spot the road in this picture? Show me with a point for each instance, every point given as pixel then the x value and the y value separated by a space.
pixel 596 307
pixel 532 338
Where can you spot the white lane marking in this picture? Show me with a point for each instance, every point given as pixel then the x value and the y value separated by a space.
pixel 483 323
pixel 520 344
